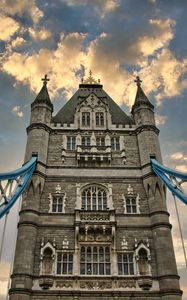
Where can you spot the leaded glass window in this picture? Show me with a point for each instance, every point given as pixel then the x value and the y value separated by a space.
pixel 100 141
pixel 125 264
pixel 115 144
pixel 64 263
pixel 131 206
pixel 57 204
pixel 86 141
pixel 99 119
pixel 85 119
pixel 71 143
pixel 95 260
pixel 94 198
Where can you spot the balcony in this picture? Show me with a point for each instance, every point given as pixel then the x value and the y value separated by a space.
pixel 94 153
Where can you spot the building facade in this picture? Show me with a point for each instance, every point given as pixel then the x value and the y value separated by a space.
pixel 93 222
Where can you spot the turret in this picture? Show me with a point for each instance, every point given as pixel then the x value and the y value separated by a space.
pixel 148 143
pixel 147 132
pixel 38 130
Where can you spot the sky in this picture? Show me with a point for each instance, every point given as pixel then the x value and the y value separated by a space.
pixel 117 40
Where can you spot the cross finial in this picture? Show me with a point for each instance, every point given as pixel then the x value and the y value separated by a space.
pixel 45 79
pixel 90 73
pixel 138 81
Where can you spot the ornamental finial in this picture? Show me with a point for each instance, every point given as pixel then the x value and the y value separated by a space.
pixel 45 79
pixel 138 81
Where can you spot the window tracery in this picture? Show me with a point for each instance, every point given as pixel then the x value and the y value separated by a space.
pixel 99 119
pixel 94 198
pixel 95 260
pixel 85 119
pixel 64 263
pixel 125 264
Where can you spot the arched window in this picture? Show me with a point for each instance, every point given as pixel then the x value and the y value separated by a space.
pixel 94 198
pixel 143 264
pixel 99 119
pixel 47 261
pixel 85 119
pixel 95 260
pixel 57 204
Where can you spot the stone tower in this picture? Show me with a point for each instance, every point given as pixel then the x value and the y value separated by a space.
pixel 94 222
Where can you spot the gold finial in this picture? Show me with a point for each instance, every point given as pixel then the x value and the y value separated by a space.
pixel 45 79
pixel 138 81
pixel 90 79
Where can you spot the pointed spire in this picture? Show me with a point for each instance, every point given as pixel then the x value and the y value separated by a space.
pixel 141 99
pixel 43 95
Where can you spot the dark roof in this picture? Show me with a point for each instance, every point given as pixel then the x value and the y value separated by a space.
pixel 140 99
pixel 43 96
pixel 66 113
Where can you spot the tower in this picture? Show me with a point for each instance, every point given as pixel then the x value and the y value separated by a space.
pixel 94 222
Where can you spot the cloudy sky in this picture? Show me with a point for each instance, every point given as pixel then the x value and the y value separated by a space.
pixel 116 39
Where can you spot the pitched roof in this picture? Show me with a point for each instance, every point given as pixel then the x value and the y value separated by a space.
pixel 66 113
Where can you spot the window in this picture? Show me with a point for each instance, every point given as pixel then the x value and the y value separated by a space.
pixel 131 206
pixel 95 260
pixel 85 141
pixel 85 119
pixel 125 264
pixel 115 143
pixel 71 143
pixel 100 141
pixel 94 198
pixel 57 204
pixel 99 119
pixel 64 263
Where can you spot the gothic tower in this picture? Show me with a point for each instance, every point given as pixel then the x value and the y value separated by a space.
pixel 94 222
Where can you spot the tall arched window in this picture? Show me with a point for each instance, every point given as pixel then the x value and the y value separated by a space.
pixel 85 119
pixel 94 198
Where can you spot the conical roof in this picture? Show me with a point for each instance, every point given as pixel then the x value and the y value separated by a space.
pixel 141 99
pixel 43 95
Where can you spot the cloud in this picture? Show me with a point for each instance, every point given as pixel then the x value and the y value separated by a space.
pixel 160 34
pixel 8 27
pixel 160 120
pixel 17 111
pixel 19 41
pixel 19 7
pixel 101 5
pixel 178 156
pixel 42 34
pixel 182 168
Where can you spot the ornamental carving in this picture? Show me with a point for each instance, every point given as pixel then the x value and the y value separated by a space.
pixel 94 217
pixel 96 285
pixel 127 284
pixel 64 284
pixel 95 238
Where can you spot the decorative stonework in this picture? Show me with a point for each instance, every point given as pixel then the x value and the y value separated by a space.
pixel 124 244
pixel 65 243
pixel 66 284
pixel 127 284
pixel 96 285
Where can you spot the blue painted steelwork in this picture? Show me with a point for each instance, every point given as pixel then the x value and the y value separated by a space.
pixel 20 179
pixel 170 178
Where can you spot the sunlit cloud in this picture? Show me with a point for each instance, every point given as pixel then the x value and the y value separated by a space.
pixel 17 111
pixel 8 27
pixel 19 7
pixel 160 120
pixel 19 41
pixel 42 34
pixel 103 6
